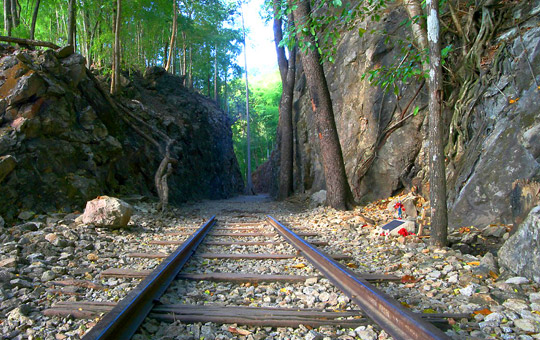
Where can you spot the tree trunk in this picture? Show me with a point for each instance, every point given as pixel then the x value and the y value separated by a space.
pixel 190 78
pixel 286 126
pixel 15 13
pixel 7 17
pixel 215 76
pixel 34 20
pixel 115 83
pixel 437 176
pixel 249 183
pixel 173 38
pixel 414 10
pixel 287 70
pixel 72 9
pixel 184 55
pixel 338 192
pixel 162 175
pixel 283 64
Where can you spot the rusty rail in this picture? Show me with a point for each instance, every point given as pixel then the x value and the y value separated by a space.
pixel 388 313
pixel 126 317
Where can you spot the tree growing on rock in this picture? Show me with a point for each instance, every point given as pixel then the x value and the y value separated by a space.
pixel 339 195
pixel 287 70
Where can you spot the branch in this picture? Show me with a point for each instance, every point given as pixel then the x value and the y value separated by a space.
pixel 29 42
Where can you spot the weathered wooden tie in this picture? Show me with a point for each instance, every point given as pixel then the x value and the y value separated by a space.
pixel 233 277
pixel 182 233
pixel 250 316
pixel 257 256
pixel 232 243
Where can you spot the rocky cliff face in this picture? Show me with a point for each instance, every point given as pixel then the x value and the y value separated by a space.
pixel 492 139
pixel 62 142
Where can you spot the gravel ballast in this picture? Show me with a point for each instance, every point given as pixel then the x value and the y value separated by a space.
pixel 41 257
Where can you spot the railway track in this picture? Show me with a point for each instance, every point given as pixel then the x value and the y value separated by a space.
pixel 199 258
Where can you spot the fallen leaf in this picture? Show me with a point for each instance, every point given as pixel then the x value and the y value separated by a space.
pixel 474 263
pixel 464 230
pixel 484 311
pixel 352 265
pixel 405 304
pixel 409 279
pixel 429 311
pixel 512 101
pixel 299 265
pixel 239 331
pixel 493 275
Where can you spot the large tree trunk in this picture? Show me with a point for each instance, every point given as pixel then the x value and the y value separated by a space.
pixel 115 82
pixel 173 38
pixel 34 20
pixel 339 195
pixel 7 17
pixel 72 9
pixel 437 177
pixel 286 126
pixel 287 70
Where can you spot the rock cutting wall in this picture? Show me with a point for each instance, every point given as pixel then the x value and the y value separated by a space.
pixel 62 143
pixel 502 144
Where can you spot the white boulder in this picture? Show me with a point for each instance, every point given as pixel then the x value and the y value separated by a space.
pixel 106 211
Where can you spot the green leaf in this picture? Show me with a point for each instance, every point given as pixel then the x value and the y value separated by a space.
pixel 361 31
pixel 416 109
pixel 445 51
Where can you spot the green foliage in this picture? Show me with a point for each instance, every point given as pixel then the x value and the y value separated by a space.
pixel 333 17
pixel 388 77
pixel 205 31
pixel 265 94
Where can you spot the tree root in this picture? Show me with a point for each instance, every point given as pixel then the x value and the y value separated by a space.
pixel 165 168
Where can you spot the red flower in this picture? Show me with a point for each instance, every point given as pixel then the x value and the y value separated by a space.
pixel 403 232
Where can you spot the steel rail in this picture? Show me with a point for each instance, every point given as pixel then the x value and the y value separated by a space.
pixel 387 312
pixel 126 317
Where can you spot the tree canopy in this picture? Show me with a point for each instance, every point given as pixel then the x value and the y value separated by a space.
pixel 206 40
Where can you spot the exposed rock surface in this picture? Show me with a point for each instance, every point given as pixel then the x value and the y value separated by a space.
pixel 106 211
pixel 498 139
pixel 520 252
pixel 62 143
